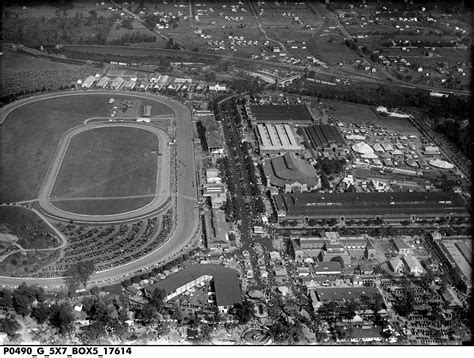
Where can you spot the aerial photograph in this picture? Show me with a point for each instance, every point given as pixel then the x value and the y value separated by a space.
pixel 248 173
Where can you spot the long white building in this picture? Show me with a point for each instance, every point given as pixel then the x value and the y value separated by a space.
pixel 277 138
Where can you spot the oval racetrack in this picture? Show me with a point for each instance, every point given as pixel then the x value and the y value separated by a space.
pixel 187 211
pixel 162 179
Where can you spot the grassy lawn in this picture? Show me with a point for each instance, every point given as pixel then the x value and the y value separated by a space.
pixel 363 114
pixel 32 232
pixel 103 206
pixel 22 264
pixel 31 133
pixel 14 62
pixel 108 162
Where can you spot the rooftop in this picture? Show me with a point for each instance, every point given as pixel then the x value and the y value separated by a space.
pixel 326 267
pixel 289 168
pixel 214 140
pixel 345 293
pixel 295 113
pixel 324 135
pixel 226 282
pixel 400 244
pixel 371 204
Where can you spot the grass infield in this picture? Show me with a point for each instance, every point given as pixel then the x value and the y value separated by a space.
pixel 110 162
pixel 31 133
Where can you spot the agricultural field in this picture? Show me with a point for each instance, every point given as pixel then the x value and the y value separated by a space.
pixel 109 163
pixel 50 11
pixel 331 49
pixel 22 73
pixel 27 228
pixel 31 133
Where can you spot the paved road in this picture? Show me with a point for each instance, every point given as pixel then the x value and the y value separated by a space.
pixel 162 180
pixel 187 209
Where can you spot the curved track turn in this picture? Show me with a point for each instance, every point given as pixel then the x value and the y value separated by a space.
pixel 187 211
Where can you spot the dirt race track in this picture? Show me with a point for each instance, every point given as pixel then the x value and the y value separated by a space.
pixel 162 179
pixel 187 211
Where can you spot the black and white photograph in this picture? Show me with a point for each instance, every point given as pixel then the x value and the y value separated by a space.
pixel 257 174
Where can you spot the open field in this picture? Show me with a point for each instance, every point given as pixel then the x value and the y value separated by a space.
pixel 126 74
pixel 331 49
pixel 31 231
pixel 23 72
pixel 49 11
pixel 15 61
pixel 117 31
pixel 359 114
pixel 30 134
pixel 108 162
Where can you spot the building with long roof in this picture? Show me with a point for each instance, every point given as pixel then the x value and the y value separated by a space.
pixel 214 140
pixel 295 114
pixel 393 207
pixel 89 81
pixel 457 257
pixel 343 295
pixel 291 173
pixel 216 229
pixel 116 83
pixel 276 138
pixel 225 281
pixel 327 139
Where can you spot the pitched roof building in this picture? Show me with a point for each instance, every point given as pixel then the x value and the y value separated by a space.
pixel 326 138
pixel 362 206
pixel 226 284
pixel 291 173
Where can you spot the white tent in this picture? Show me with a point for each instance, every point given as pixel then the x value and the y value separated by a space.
pixel 362 148
pixel 438 163
pixel 370 155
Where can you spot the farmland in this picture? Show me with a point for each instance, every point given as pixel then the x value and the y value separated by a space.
pixel 23 73
pixel 108 163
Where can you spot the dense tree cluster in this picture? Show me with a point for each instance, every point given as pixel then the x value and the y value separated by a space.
pixel 34 32
pixel 245 83
pixel 78 274
pixel 330 166
pixel 135 37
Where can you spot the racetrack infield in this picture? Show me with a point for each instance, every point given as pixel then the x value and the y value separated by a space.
pixel 31 133
pixel 108 162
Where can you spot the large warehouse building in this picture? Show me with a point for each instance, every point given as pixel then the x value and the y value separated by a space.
pixel 277 138
pixel 363 206
pixel 226 284
pixel 291 173
pixel 457 257
pixel 326 138
pixel 296 114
